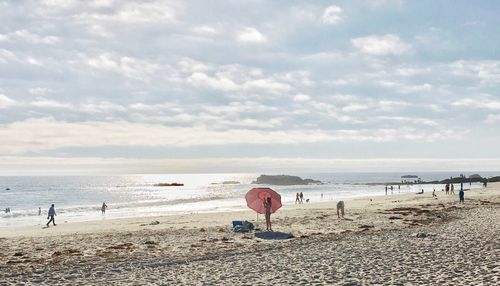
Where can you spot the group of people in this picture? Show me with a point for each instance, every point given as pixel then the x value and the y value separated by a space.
pixel 392 188
pixel 449 189
pixel 299 198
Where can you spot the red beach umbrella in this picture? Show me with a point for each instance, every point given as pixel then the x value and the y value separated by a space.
pixel 256 196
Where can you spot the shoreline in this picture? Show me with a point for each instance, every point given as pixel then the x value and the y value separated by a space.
pixel 96 218
pixel 201 249
pixel 221 218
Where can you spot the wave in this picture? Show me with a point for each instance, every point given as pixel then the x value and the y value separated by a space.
pixel 82 209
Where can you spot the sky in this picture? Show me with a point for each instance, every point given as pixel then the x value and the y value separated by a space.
pixel 108 86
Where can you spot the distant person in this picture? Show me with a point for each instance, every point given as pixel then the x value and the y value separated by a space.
pixel 386 190
pixel 434 193
pixel 301 197
pixel 461 195
pixel 421 192
pixel 39 211
pixel 321 195
pixel 51 214
pixel 267 207
pixel 447 188
pixel 103 208
pixel 452 189
pixel 340 209
pixel 297 198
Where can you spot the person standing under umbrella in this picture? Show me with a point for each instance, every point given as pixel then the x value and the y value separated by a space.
pixel 267 207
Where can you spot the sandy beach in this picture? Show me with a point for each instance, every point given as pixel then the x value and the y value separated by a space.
pixel 404 239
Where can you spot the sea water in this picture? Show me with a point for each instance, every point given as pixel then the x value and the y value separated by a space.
pixel 79 198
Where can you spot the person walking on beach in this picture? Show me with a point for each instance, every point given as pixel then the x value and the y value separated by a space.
pixel 301 197
pixel 447 188
pixel 340 209
pixel 103 208
pixel 461 196
pixel 452 189
pixel 386 190
pixel 267 207
pixel 51 214
pixel 39 211
pixel 297 198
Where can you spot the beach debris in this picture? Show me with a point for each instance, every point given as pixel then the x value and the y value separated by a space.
pixel 127 245
pixel 203 229
pixel 424 234
pixel 155 222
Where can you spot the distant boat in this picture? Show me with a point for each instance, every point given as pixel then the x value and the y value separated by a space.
pixel 409 176
pixel 169 185
pixel 7 189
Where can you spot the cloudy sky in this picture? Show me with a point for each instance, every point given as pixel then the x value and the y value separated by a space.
pixel 110 86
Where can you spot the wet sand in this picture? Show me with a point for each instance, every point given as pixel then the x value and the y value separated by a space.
pixel 390 240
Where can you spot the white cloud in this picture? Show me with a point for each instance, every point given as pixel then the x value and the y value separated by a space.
pixel 205 30
pixel 409 120
pixel 402 87
pixel 49 103
pixel 492 118
pixel 189 65
pixel 6 101
pixel 388 44
pixel 221 82
pixel 6 56
pixel 38 165
pixel 301 97
pixel 39 91
pixel 124 65
pixel 487 71
pixel 101 107
pixel 131 12
pixel 36 135
pixel 251 35
pixel 354 107
pixel 332 15
pixel 482 102
pixel 25 35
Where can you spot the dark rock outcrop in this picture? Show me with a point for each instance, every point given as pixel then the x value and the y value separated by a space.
pixel 284 180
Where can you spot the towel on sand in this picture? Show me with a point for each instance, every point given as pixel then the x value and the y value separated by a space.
pixel 273 235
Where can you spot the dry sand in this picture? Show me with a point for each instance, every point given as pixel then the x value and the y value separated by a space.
pixel 376 244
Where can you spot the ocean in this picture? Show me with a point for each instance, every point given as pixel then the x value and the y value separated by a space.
pixel 79 198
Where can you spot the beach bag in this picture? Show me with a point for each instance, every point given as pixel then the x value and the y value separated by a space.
pixel 242 226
